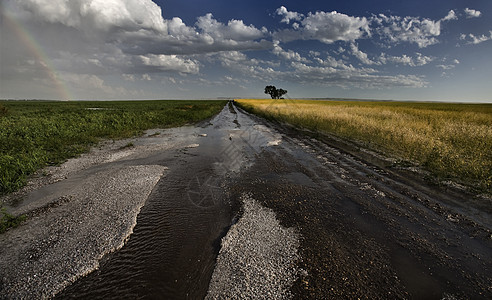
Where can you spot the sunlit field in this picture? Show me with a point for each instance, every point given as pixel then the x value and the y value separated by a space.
pixel 452 141
pixel 34 134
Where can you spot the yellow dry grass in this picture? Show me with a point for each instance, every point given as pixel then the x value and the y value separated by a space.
pixel 450 140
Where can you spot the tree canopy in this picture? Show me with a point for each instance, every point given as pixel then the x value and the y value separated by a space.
pixel 274 92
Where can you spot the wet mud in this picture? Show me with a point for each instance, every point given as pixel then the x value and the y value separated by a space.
pixel 173 249
pixel 365 229
pixel 369 231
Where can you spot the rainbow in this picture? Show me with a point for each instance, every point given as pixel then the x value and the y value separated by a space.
pixel 35 48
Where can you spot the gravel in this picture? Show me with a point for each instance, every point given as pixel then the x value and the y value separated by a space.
pixel 66 239
pixel 258 257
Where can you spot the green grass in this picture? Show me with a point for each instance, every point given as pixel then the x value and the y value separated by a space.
pixel 451 141
pixel 8 221
pixel 34 134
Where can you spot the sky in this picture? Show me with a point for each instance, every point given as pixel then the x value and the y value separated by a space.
pixel 438 50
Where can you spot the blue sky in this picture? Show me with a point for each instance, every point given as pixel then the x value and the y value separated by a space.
pixel 143 49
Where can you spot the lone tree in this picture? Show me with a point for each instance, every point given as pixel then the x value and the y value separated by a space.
pixel 274 92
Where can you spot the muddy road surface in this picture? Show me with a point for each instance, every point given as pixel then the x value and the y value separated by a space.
pixel 238 207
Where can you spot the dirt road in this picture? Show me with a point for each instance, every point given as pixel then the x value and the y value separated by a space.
pixel 236 207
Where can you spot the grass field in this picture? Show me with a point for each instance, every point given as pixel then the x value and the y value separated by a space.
pixel 34 134
pixel 452 141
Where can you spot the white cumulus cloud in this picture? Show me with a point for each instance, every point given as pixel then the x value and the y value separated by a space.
pixel 362 56
pixel 421 31
pixel 417 61
pixel 234 30
pixel 170 63
pixel 137 26
pixel 348 76
pixel 327 27
pixel 131 37
pixel 288 15
pixel 473 39
pixel 127 15
pixel 288 55
pixel 89 41
pixel 404 59
pixel 450 16
pixel 471 13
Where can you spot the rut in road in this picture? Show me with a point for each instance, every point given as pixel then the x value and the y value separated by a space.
pixel 371 231
pixel 365 230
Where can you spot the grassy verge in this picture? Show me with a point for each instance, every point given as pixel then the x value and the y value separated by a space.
pixel 8 221
pixel 452 141
pixel 34 134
